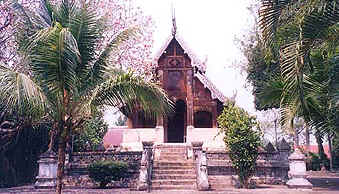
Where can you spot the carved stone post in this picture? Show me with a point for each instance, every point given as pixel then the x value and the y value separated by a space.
pixel 47 170
pixel 201 166
pixel 146 166
pixel 298 171
pixel 197 148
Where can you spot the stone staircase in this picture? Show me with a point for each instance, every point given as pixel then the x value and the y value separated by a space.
pixel 171 168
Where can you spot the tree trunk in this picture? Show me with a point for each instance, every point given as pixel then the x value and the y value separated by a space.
pixel 330 150
pixel 53 136
pixel 61 163
pixel 320 146
pixel 307 136
pixel 276 133
pixel 64 138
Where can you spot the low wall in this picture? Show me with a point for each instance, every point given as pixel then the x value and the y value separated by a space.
pixel 271 167
pixel 131 139
pixel 77 174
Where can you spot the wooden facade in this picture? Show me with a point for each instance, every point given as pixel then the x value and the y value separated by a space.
pixel 197 101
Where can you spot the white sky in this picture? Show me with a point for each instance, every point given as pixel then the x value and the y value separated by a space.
pixel 209 29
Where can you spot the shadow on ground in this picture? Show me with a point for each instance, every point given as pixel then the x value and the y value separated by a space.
pixel 325 183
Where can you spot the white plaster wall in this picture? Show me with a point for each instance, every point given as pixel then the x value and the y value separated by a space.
pixel 210 137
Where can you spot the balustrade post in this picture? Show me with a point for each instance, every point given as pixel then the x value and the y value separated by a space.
pixel 145 173
pixel 201 166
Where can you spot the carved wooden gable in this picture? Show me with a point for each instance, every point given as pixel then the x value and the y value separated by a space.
pixel 175 65
pixel 174 56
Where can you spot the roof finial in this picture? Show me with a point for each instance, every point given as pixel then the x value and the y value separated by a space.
pixel 174 23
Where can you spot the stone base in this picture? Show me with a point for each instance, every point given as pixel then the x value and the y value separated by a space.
pixel 45 183
pixel 203 185
pixel 299 183
pixel 142 187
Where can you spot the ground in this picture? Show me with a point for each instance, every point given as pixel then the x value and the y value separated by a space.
pixel 322 185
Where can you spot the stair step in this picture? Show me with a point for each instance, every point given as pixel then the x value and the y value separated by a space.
pixel 172 154
pixel 174 187
pixel 156 171
pixel 173 168
pixel 173 163
pixel 173 182
pixel 173 158
pixel 173 150
pixel 175 177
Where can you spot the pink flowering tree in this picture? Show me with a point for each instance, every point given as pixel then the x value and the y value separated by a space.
pixel 63 57
pixel 134 54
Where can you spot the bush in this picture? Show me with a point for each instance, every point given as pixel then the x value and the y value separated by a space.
pixel 241 140
pixel 314 163
pixel 92 134
pixel 106 171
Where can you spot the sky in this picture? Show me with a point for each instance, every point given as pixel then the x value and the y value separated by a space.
pixel 209 28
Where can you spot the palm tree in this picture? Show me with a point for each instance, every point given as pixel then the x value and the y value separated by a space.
pixel 65 76
pixel 297 29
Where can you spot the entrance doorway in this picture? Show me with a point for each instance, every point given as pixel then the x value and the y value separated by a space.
pixel 176 124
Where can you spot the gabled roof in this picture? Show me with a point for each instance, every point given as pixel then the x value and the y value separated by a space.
pixel 215 93
pixel 195 61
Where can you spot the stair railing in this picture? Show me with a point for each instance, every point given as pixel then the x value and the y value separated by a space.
pixel 201 166
pixel 149 168
pixel 145 174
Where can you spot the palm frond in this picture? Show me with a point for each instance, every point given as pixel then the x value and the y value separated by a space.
pixel 272 91
pixel 275 13
pixel 87 31
pixel 65 12
pixel 21 95
pixel 101 65
pixel 269 15
pixel 315 25
pixel 54 59
pixel 134 92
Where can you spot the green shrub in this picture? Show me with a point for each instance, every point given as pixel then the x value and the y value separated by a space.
pixel 241 140
pixel 92 134
pixel 106 171
pixel 314 163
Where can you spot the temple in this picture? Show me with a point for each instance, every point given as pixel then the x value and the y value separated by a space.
pixel 198 102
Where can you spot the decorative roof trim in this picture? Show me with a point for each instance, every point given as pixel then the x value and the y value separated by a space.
pixel 195 61
pixel 215 93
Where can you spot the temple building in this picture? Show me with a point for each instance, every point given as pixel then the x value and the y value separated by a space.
pixel 198 102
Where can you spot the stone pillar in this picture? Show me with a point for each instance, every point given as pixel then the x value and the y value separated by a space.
pixel 298 171
pixel 160 138
pixel 146 166
pixel 159 132
pixel 129 123
pixel 189 136
pixel 48 165
pixel 201 166
pixel 160 121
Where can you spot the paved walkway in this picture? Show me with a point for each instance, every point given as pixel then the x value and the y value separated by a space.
pixel 322 185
